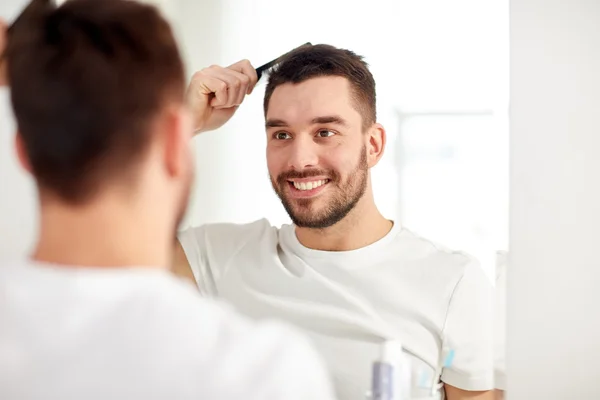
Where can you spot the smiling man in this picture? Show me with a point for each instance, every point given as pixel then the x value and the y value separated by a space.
pixel 342 272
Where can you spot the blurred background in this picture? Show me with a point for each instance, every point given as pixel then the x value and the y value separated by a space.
pixel 441 69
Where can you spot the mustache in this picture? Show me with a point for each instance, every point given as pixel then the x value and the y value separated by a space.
pixel 307 173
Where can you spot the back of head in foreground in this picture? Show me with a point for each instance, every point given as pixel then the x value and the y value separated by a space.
pixel 97 88
pixel 106 134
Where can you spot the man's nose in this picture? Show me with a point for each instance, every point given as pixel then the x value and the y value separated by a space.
pixel 304 154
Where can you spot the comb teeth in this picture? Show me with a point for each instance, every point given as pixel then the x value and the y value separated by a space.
pixel 264 68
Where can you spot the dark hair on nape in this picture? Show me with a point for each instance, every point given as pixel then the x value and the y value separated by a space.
pixel 325 60
pixel 87 80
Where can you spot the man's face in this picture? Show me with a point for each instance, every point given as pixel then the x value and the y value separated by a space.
pixel 316 150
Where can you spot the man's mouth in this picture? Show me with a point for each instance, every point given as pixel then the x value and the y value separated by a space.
pixel 308 185
pixel 307 188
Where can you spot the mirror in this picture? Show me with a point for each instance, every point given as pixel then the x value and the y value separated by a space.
pixel 438 172
pixel 441 72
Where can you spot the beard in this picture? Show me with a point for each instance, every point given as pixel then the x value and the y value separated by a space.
pixel 343 197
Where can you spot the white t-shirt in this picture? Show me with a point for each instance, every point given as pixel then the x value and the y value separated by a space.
pixel 97 333
pixel 500 321
pixel 437 303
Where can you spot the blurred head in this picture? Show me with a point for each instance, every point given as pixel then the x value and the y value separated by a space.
pixel 97 89
pixel 2 46
pixel 322 135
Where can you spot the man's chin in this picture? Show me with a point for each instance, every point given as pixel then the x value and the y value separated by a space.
pixel 304 207
pixel 307 218
pixel 311 223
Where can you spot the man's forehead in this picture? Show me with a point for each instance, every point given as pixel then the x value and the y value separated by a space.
pixel 312 99
pixel 319 87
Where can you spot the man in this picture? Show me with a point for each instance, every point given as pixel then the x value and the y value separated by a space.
pixel 343 272
pixel 97 88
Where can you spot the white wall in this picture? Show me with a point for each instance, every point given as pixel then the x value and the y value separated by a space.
pixel 554 271
pixel 18 208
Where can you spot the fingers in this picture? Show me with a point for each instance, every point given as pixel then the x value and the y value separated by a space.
pixel 226 87
pixel 246 68
pixel 236 87
pixel 207 86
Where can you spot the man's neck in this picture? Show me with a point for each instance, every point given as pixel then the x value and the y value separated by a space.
pixel 363 226
pixel 103 234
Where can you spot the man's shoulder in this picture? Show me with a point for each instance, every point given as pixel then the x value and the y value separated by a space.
pixel 230 232
pixel 213 246
pixel 204 347
pixel 168 307
pixel 267 356
pixel 178 301
pixel 256 228
pixel 433 253
pixel 174 302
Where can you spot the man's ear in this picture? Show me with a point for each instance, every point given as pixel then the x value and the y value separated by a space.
pixel 376 144
pixel 22 153
pixel 177 132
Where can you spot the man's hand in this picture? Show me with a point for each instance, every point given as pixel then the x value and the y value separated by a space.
pixel 216 92
pixel 3 80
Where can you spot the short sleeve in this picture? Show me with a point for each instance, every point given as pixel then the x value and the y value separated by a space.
pixel 193 242
pixel 210 248
pixel 500 322
pixel 468 333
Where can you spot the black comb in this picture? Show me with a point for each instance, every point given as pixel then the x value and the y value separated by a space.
pixel 263 68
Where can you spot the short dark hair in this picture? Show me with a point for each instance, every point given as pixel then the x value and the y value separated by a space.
pixel 87 79
pixel 324 60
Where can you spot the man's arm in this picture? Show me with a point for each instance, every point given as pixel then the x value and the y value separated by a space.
pixel 453 393
pixel 468 333
pixel 181 266
pixel 213 96
pixel 500 324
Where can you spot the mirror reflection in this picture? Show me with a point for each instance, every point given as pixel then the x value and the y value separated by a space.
pixel 347 209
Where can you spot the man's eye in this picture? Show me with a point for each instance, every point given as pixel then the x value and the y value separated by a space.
pixel 282 136
pixel 325 133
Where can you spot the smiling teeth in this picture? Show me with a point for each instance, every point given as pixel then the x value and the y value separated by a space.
pixel 309 185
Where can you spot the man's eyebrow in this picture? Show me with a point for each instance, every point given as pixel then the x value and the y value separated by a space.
pixel 275 123
pixel 330 119
pixel 326 119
